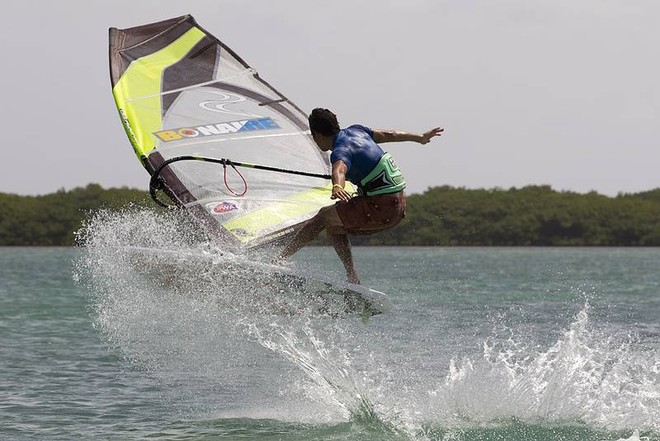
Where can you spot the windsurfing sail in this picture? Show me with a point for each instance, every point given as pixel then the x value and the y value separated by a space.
pixel 216 138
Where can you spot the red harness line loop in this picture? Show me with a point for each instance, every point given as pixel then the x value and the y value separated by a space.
pixel 245 184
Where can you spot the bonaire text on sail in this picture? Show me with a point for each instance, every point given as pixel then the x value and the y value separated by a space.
pixel 223 128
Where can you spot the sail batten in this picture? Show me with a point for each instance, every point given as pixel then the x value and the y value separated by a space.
pixel 247 72
pixel 182 93
pixel 256 137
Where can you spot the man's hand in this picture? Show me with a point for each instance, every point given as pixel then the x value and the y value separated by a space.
pixel 426 137
pixel 339 193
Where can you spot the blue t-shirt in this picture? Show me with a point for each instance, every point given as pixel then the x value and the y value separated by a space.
pixel 355 146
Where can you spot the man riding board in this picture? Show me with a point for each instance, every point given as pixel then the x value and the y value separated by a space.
pixel 356 156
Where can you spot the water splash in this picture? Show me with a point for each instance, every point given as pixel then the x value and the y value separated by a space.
pixel 329 368
pixel 602 379
pixel 216 337
pixel 160 298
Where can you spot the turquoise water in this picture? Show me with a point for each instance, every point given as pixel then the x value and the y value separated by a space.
pixel 481 344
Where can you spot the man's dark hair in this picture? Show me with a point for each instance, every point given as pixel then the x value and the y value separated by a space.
pixel 324 122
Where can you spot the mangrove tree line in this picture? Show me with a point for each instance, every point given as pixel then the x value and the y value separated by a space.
pixel 447 216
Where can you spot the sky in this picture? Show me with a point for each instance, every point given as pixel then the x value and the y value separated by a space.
pixel 564 93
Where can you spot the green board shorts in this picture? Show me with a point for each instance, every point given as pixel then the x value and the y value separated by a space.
pixel 370 214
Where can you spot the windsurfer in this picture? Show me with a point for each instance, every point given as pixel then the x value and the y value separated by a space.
pixel 356 156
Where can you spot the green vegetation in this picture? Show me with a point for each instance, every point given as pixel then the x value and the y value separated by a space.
pixel 52 219
pixel 531 216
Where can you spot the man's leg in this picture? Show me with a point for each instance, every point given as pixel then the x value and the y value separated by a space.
pixel 308 233
pixel 327 216
pixel 342 246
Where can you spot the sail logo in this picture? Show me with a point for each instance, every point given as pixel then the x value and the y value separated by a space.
pixel 221 208
pixel 223 128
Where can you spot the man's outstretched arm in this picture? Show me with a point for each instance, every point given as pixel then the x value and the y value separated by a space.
pixel 381 136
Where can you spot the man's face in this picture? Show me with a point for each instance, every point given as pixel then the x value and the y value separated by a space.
pixel 319 140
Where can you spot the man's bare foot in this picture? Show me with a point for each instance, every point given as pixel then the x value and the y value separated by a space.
pixel 279 261
pixel 353 278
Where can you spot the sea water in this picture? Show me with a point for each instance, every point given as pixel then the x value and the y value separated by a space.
pixel 480 344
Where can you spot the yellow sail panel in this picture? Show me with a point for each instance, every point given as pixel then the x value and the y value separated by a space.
pixel 255 223
pixel 138 91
